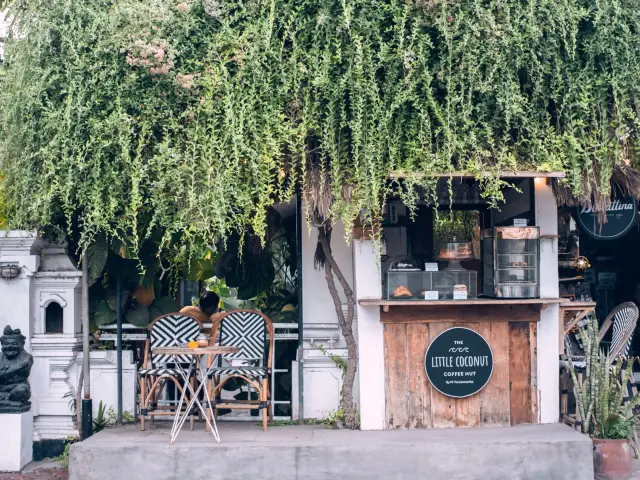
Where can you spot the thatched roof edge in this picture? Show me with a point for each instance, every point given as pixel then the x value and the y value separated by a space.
pixel 625 182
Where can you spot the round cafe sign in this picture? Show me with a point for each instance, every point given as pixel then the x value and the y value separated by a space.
pixel 621 216
pixel 459 362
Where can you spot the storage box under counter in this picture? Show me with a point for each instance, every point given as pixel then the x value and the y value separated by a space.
pixel 412 285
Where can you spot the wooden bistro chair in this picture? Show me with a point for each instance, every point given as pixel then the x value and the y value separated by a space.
pixel 253 363
pixel 623 318
pixel 171 330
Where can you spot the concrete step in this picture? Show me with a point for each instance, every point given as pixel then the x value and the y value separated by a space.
pixel 528 452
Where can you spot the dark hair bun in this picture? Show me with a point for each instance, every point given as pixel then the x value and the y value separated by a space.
pixel 209 300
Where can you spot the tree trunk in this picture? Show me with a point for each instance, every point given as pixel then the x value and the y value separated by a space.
pixel 331 268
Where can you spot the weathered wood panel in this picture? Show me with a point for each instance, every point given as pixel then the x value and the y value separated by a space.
pixel 468 409
pixel 419 386
pixel 420 315
pixel 397 385
pixel 520 373
pixel 494 398
pixel 443 408
pixel 510 396
pixel 463 313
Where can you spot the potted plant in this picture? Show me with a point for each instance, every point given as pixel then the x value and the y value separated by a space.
pixel 600 389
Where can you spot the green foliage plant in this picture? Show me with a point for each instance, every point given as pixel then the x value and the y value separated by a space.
pixel 126 117
pixel 338 360
pixel 112 417
pixel 63 458
pixel 601 395
pixel 101 420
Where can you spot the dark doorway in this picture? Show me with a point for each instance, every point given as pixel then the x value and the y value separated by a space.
pixel 53 318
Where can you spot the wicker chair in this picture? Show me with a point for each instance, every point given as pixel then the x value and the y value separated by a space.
pixel 171 330
pixel 253 363
pixel 623 318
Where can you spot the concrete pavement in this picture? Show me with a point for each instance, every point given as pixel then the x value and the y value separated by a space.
pixel 528 452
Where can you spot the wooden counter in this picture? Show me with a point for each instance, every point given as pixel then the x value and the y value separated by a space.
pixel 510 328
pixel 386 304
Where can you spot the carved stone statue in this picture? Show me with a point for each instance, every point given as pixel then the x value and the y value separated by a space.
pixel 15 366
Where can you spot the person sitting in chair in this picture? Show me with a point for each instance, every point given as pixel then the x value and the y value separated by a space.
pixel 207 307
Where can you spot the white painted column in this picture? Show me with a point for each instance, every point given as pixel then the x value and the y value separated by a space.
pixel 368 284
pixel 549 325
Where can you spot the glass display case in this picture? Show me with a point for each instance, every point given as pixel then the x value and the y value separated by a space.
pixel 432 285
pixel 511 262
pixel 405 281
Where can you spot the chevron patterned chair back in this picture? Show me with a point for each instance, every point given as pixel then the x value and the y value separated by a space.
pixel 625 317
pixel 622 319
pixel 173 330
pixel 245 329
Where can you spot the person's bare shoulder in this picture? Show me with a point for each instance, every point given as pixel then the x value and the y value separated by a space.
pixel 195 312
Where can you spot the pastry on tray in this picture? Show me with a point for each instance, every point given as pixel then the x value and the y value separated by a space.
pixel 456 251
pixel 518 264
pixel 402 292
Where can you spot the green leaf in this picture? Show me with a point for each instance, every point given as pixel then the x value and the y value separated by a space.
pixel 122 249
pixel 127 269
pixel 149 276
pixel 200 270
pixel 96 256
pixel 124 295
pixel 288 317
pixel 138 315
pixel 162 306
pixel 103 314
pixel 232 303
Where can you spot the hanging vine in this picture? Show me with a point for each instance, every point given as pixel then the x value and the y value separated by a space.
pixel 126 117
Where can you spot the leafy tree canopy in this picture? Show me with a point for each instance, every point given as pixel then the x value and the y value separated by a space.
pixel 133 117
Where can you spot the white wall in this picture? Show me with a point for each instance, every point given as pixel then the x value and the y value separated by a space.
pixel 322 378
pixel 22 248
pixel 549 325
pixel 317 302
pixel 104 379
